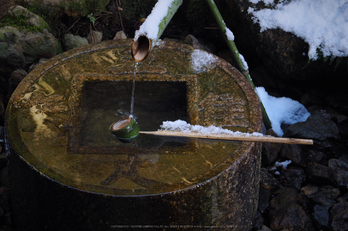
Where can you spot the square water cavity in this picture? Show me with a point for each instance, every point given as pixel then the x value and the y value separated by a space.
pixel 105 102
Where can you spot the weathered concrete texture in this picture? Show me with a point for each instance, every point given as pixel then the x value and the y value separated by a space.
pixel 92 181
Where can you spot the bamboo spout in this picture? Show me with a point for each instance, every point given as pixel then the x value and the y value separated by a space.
pixel 151 30
pixel 141 48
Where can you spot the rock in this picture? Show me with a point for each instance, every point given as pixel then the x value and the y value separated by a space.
pixel 193 41
pixel 339 172
pixel 343 127
pixel 316 157
pixel 94 36
pixel 287 196
pixel 3 160
pixel 323 199
pixel 38 45
pixel 338 100
pixel 32 19
pixel 291 217
pixel 325 196
pixel 120 35
pixel 270 152
pixel 321 216
pixel 11 56
pixel 294 177
pixel 258 221
pixel 268 181
pixel 74 8
pixel 309 99
pixel 22 47
pixel 36 64
pixel 264 197
pixel 2 106
pixel 16 77
pixel 293 153
pixel 344 158
pixel 337 116
pixel 5 198
pixel 318 173
pixel 264 228
pixel 309 190
pixel 73 41
pixel 318 126
pixel 4 178
pixel 340 221
pixel 283 54
pixel 268 184
pixel 339 214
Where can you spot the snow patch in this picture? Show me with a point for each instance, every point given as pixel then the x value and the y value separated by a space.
pixel 201 60
pixel 282 110
pixel 229 34
pixel 283 164
pixel 241 57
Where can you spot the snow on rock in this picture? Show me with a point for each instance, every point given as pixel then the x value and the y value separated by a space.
pixel 201 60
pixel 322 24
pixel 283 164
pixel 282 110
pixel 183 126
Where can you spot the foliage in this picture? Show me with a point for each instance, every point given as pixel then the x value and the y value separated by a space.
pixel 91 18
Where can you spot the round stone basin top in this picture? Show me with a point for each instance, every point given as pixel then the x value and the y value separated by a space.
pixel 59 118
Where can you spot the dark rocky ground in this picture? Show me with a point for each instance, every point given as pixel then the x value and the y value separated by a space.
pixel 311 193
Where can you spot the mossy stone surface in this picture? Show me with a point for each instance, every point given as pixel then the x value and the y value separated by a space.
pixel 61 141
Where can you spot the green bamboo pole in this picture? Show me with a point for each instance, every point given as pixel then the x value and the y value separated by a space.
pixel 145 38
pixel 235 53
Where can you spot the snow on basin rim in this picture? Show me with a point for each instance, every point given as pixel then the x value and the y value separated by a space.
pixel 201 60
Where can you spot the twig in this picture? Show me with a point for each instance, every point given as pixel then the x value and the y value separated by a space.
pixel 119 13
pixel 72 25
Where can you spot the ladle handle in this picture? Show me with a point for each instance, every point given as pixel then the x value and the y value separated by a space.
pixel 269 139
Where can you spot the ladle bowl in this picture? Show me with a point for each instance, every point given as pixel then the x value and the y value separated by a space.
pixel 125 129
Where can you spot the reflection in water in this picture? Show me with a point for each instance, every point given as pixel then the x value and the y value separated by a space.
pixel 105 102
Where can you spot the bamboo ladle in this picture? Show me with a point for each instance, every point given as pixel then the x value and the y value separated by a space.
pixel 269 139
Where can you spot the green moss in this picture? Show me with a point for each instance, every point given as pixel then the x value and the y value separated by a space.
pixel 21 22
pixel 51 16
pixel 58 46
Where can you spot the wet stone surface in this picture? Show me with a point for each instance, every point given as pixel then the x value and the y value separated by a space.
pixel 95 89
pixel 68 103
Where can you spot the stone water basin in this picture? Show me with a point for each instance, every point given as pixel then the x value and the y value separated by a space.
pixel 62 150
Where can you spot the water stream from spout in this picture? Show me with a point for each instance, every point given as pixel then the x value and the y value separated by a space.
pixel 133 87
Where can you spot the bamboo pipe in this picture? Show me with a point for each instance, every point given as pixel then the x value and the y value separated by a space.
pixel 268 139
pixel 145 39
pixel 141 48
pixel 235 53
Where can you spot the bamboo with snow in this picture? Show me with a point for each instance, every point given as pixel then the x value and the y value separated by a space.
pixel 151 30
pixel 242 66
pixel 269 139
